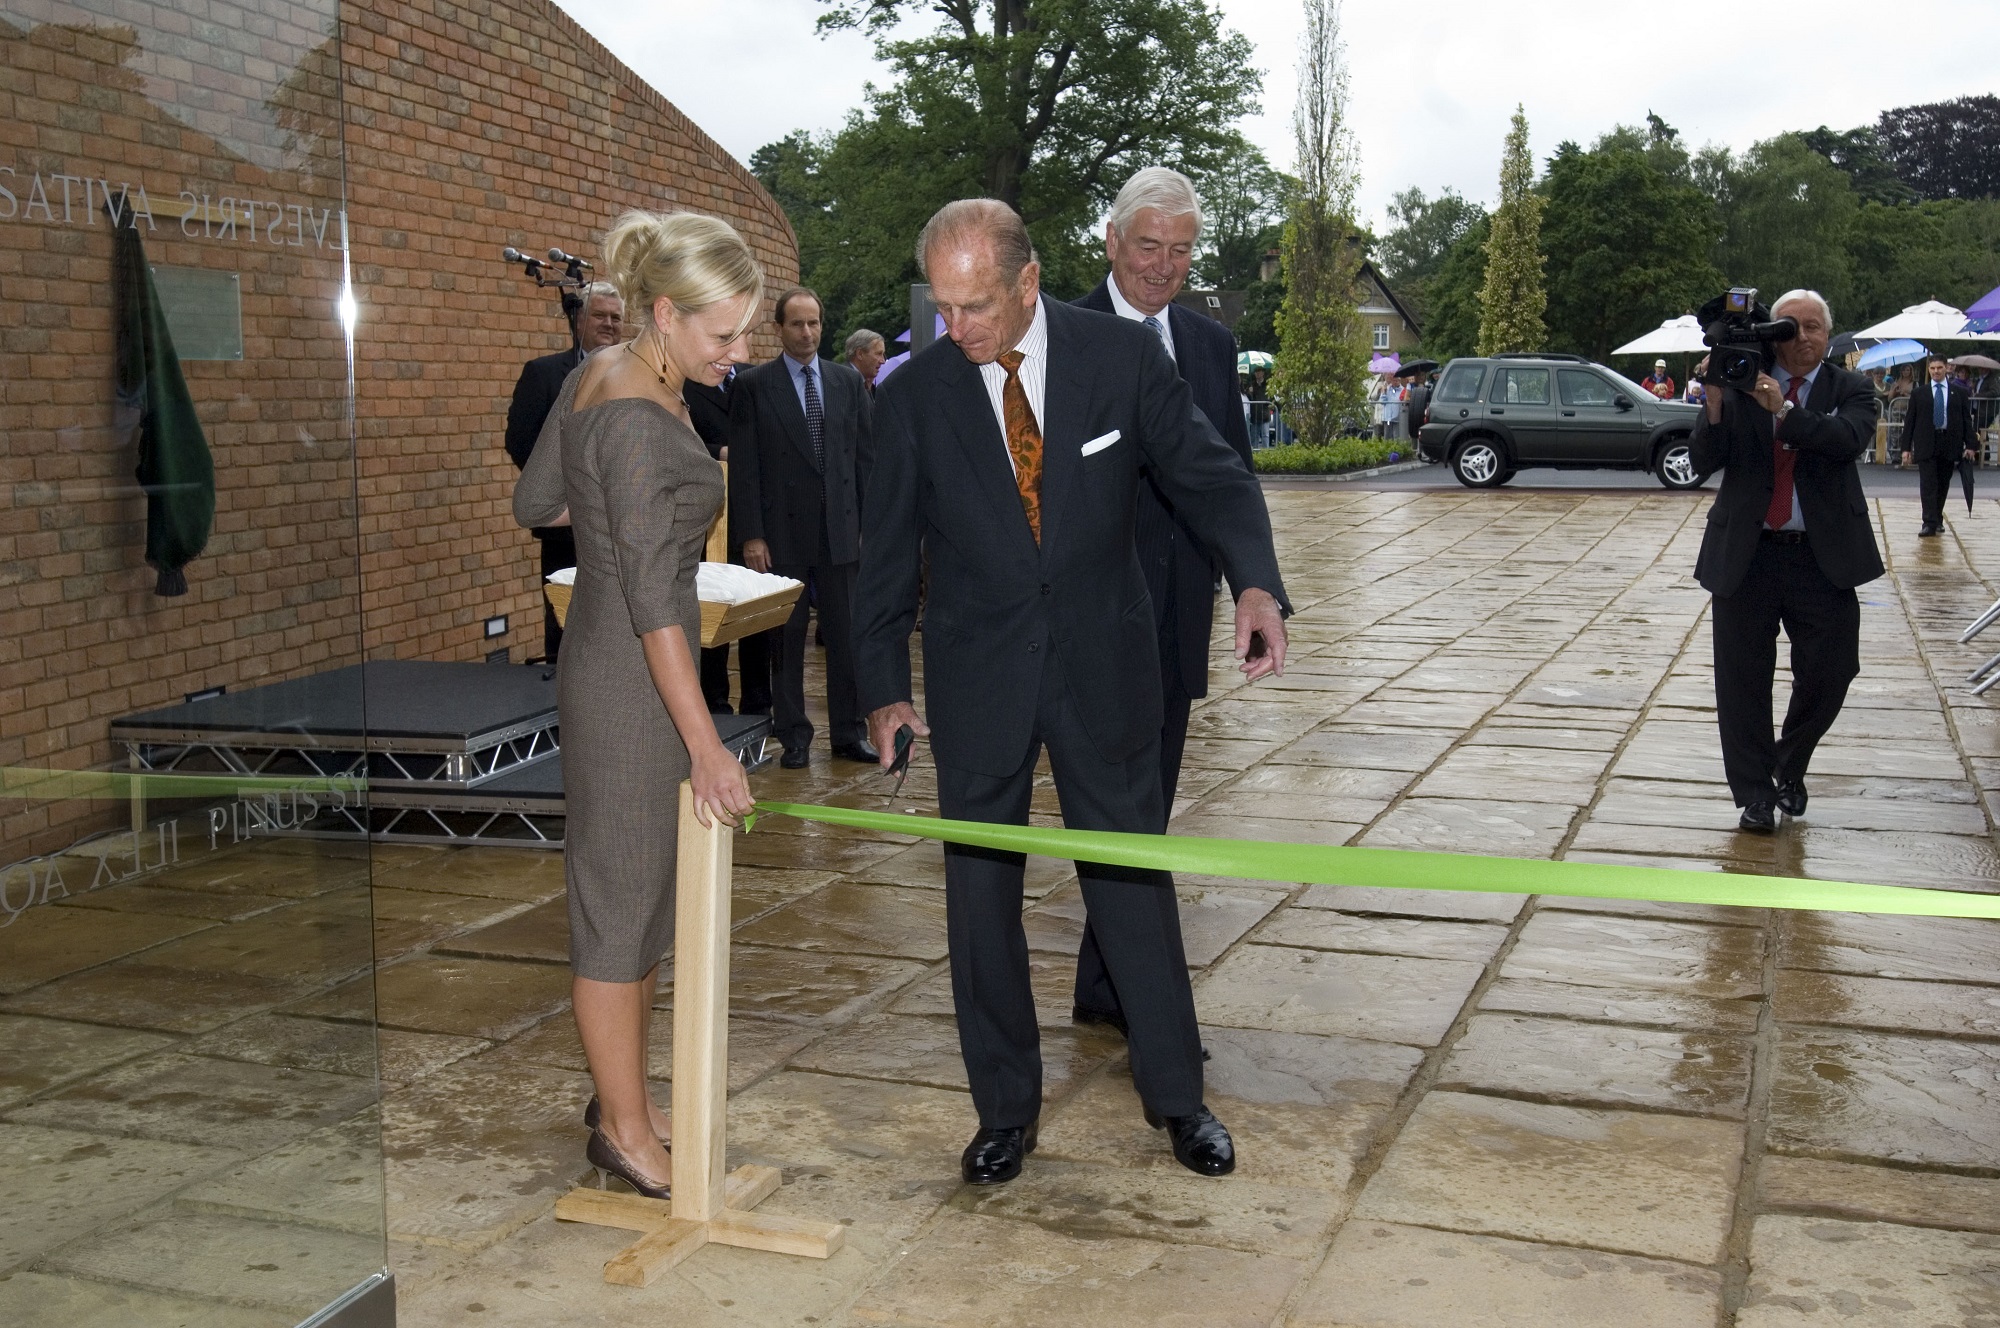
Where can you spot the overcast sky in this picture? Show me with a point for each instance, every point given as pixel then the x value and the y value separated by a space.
pixel 1432 84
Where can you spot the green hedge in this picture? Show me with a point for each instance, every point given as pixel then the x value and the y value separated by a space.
pixel 1338 455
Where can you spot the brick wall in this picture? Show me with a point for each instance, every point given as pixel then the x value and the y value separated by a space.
pixel 472 127
pixel 467 128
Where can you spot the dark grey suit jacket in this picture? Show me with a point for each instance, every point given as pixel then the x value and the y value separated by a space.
pixel 1829 432
pixel 940 492
pixel 1172 555
pixel 775 494
pixel 1920 433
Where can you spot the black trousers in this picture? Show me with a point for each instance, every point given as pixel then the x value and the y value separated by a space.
pixel 831 585
pixel 1784 587
pixel 1132 913
pixel 558 552
pixel 1934 478
pixel 753 657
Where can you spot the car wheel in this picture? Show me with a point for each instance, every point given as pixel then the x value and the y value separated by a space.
pixel 1675 466
pixel 1479 464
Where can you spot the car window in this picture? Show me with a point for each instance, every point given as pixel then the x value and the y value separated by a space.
pixel 1461 382
pixel 1636 391
pixel 1583 389
pixel 1520 387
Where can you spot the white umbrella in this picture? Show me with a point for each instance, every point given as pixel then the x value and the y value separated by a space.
pixel 1933 320
pixel 1676 336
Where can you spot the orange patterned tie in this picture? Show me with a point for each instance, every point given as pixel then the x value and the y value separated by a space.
pixel 1024 441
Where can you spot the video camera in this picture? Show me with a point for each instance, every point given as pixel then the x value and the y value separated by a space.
pixel 1740 334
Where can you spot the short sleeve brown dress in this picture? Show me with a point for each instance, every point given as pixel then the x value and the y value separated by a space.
pixel 641 491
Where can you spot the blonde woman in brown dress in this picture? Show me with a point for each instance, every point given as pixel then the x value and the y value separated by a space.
pixel 619 462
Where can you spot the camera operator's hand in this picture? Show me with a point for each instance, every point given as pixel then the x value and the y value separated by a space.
pixel 1768 394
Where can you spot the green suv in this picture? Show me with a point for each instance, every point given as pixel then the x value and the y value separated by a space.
pixel 1493 416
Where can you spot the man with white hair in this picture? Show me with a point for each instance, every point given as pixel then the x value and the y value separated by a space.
pixel 1149 242
pixel 865 352
pixel 1788 540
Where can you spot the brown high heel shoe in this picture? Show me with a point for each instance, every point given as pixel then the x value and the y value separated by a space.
pixel 593 1117
pixel 604 1155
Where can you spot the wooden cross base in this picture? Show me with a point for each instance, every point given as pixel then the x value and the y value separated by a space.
pixel 670 1239
pixel 707 1204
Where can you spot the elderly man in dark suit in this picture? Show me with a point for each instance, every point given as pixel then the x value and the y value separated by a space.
pixel 599 320
pixel 1149 242
pixel 1788 540
pixel 1937 430
pixel 1009 455
pixel 796 428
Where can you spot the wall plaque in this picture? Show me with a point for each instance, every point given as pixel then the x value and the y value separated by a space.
pixel 204 311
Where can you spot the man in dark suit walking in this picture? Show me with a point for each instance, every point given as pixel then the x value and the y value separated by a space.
pixel 598 322
pixel 1149 242
pixel 708 409
pixel 1009 455
pixel 1788 540
pixel 796 427
pixel 1938 432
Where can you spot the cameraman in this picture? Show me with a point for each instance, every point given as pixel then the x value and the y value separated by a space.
pixel 1788 540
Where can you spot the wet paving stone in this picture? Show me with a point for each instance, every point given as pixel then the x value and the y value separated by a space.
pixel 1318 929
pixel 800 987
pixel 1074 1199
pixel 1316 781
pixel 1933 949
pixel 923 865
pixel 131 994
pixel 492 873
pixel 233 1105
pixel 539 935
pixel 969 1271
pixel 1808 1271
pixel 75 1303
pixel 1385 1275
pixel 63 1184
pixel 1458 905
pixel 1915 1100
pixel 1948 1008
pixel 1388 998
pixel 1626 1182
pixel 37 1055
pixel 755 891
pixel 1212 919
pixel 1684 958
pixel 1865 1193
pixel 330 1178
pixel 916 1050
pixel 800 1120
pixel 857 919
pixel 46 943
pixel 1486 826
pixel 138 897
pixel 1264 805
pixel 1557 1060
pixel 1405 749
pixel 335 1047
pixel 479 998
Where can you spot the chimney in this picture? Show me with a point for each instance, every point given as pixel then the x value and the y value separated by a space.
pixel 1269 266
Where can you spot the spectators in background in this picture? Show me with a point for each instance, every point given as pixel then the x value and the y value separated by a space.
pixel 1660 383
pixel 865 352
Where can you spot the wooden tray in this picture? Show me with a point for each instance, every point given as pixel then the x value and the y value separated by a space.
pixel 720 623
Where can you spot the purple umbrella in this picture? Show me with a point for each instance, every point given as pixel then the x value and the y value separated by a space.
pixel 890 366
pixel 1984 314
pixel 1385 364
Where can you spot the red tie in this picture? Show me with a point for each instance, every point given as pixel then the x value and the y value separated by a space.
pixel 1782 460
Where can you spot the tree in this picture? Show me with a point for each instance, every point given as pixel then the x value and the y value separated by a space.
pixel 1946 149
pixel 1451 324
pixel 1858 154
pixel 1322 354
pixel 1786 212
pixel 1425 231
pixel 1243 200
pixel 1512 300
pixel 1948 249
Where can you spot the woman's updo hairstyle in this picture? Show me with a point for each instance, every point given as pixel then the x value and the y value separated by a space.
pixel 693 260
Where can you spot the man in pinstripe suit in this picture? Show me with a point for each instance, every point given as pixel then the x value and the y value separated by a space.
pixel 1150 239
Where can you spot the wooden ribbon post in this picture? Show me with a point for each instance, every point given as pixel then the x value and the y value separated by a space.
pixel 708 1203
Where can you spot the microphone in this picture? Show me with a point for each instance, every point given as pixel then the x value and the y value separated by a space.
pixel 558 256
pixel 512 255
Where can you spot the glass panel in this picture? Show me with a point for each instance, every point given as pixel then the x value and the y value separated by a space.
pixel 1583 389
pixel 188 1074
pixel 1461 382
pixel 1523 387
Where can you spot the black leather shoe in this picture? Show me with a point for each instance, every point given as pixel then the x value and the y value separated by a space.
pixel 1758 818
pixel 1928 530
pixel 796 758
pixel 1090 1014
pixel 994 1156
pixel 860 750
pixel 1792 797
pixel 1201 1144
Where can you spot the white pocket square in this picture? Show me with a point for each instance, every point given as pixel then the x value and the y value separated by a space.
pixel 1098 444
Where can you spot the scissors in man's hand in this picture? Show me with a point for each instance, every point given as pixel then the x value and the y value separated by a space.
pixel 906 742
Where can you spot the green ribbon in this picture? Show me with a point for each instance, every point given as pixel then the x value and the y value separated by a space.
pixel 22 782
pixel 1406 869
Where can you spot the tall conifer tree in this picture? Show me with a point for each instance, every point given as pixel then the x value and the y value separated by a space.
pixel 1513 299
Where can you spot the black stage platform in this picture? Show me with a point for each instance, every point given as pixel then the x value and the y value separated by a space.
pixel 452 753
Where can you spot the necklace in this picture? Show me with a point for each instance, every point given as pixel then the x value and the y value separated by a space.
pixel 633 347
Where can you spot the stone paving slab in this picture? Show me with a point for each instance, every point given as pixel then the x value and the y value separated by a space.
pixel 1813 1271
